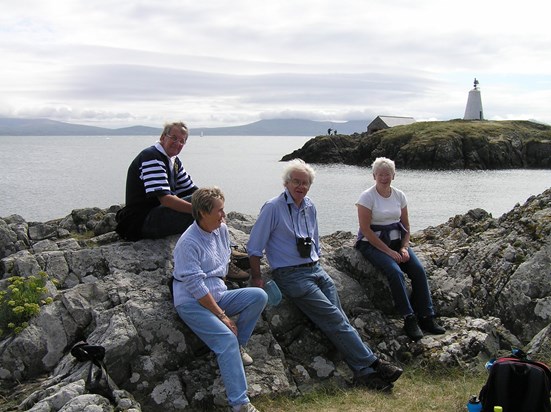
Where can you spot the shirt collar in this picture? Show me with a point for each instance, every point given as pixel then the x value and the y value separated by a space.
pixel 306 202
pixel 204 233
pixel 161 149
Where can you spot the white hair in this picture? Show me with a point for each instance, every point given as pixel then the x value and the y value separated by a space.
pixel 300 166
pixel 383 163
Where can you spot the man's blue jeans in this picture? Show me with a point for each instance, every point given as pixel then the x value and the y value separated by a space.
pixel 248 303
pixel 420 302
pixel 315 294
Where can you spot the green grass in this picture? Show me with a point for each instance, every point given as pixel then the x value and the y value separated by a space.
pixel 415 391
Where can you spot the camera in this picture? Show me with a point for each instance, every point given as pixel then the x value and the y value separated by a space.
pixel 304 246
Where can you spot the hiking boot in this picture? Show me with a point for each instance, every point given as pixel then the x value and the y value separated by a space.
pixel 236 254
pixel 411 327
pixel 429 325
pixel 240 259
pixel 246 407
pixel 373 381
pixel 245 357
pixel 387 371
pixel 234 273
pixel 242 262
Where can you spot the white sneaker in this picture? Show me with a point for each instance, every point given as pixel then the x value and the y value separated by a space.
pixel 247 407
pixel 247 360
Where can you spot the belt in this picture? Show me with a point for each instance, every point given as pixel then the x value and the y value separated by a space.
pixel 305 265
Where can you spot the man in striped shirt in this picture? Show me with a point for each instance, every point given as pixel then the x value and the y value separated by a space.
pixel 158 189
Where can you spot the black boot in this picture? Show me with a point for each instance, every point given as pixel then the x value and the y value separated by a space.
pixel 429 325
pixel 412 328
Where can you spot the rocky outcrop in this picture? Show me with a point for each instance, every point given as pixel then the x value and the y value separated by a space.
pixel 490 280
pixel 450 145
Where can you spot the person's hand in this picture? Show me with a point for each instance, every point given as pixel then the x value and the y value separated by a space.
pixel 405 254
pixel 396 256
pixel 230 324
pixel 257 282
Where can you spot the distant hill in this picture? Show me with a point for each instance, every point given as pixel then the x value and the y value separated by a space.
pixel 46 127
pixel 272 127
pixel 286 127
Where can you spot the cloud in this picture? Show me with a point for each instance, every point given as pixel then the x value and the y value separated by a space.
pixel 216 63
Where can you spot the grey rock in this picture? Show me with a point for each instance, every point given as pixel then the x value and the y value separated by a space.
pixel 489 278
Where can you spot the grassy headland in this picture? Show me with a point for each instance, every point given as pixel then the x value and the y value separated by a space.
pixel 454 144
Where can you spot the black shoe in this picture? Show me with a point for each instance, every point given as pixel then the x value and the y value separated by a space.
pixel 387 371
pixel 429 325
pixel 373 381
pixel 411 327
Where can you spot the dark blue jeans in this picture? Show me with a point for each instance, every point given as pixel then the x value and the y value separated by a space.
pixel 420 302
pixel 315 294
pixel 163 221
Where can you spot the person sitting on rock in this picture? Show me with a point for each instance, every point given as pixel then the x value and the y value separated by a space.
pixel 158 189
pixel 383 239
pixel 203 301
pixel 158 193
pixel 287 230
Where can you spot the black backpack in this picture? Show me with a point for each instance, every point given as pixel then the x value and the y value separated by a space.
pixel 517 384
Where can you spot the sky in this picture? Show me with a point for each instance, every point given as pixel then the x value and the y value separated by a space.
pixel 215 63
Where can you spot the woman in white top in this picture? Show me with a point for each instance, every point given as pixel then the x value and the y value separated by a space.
pixel 383 239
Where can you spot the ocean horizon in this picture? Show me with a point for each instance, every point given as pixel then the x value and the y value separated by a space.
pixel 47 177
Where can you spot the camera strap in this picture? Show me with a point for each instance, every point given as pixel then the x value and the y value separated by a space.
pixel 292 220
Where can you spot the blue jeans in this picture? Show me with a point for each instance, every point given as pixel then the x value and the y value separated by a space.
pixel 315 294
pixel 421 302
pixel 248 303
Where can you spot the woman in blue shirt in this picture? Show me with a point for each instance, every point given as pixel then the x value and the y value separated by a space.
pixel 203 301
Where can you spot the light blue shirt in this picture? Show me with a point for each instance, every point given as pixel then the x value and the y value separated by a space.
pixel 200 264
pixel 278 225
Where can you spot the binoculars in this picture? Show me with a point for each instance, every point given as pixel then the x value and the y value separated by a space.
pixel 304 246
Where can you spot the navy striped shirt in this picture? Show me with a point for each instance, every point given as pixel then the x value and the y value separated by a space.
pixel 151 175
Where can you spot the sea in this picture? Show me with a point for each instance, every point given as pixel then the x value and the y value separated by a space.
pixel 46 177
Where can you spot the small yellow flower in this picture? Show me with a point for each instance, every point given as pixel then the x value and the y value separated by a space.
pixel 18 310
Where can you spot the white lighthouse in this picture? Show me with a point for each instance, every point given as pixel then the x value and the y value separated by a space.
pixel 473 111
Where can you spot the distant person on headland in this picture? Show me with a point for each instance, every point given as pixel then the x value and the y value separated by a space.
pixel 383 239
pixel 158 189
pixel 329 131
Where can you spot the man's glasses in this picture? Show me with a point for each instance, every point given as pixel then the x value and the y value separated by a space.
pixel 176 140
pixel 297 183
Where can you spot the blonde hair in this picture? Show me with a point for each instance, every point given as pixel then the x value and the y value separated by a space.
pixel 202 200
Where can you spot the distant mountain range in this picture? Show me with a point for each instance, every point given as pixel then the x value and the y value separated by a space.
pixel 272 127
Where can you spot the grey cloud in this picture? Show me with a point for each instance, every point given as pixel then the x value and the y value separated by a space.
pixel 121 82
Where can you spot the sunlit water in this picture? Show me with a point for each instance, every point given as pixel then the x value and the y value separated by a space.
pixel 46 177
